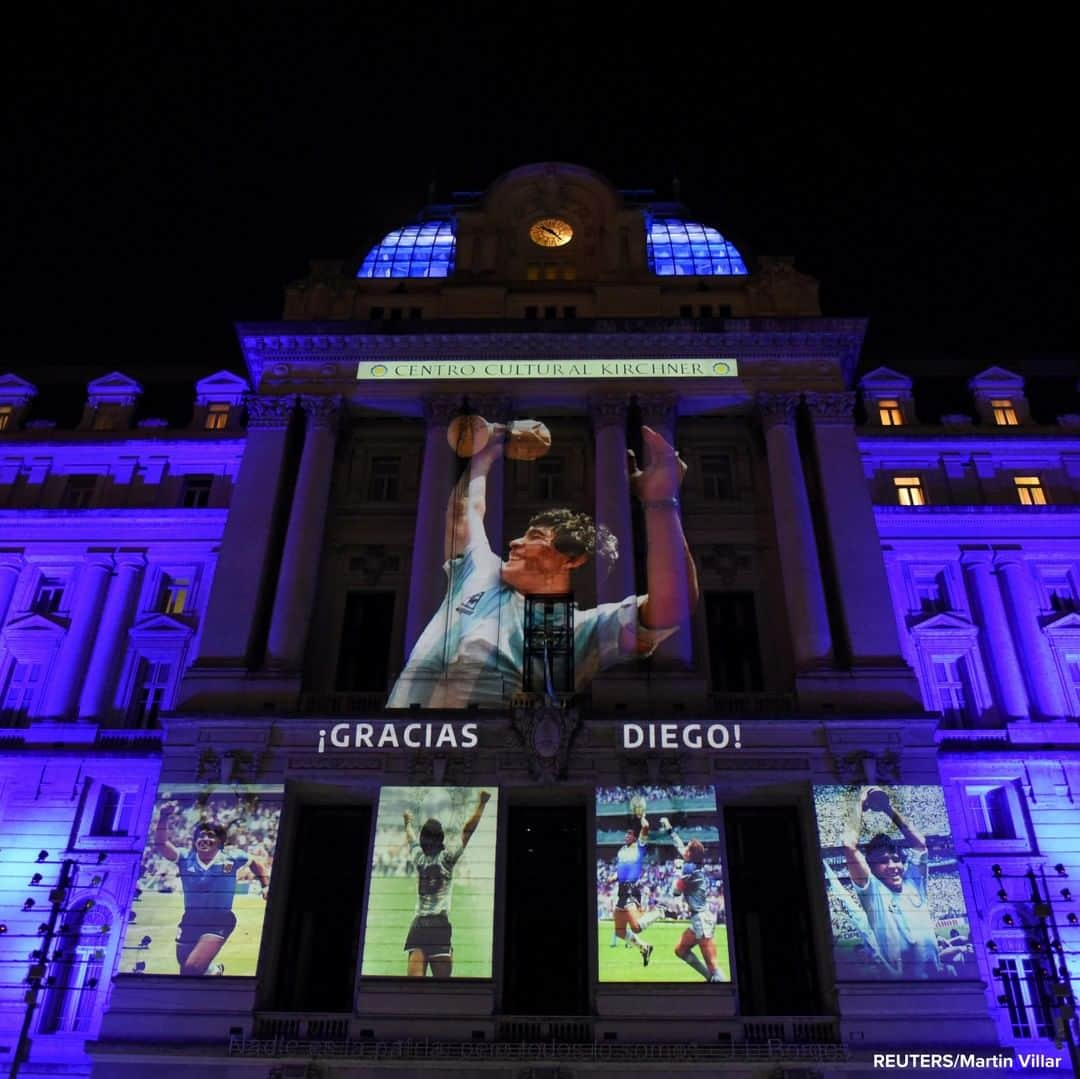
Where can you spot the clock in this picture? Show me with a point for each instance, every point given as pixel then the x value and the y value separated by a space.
pixel 551 232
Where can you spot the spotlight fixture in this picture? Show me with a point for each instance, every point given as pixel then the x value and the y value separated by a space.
pixel 996 870
pixel 42 855
pixel 991 946
pixel 3 928
pixel 35 879
pixel 1056 945
pixel 1060 870
pixel 140 967
pixel 95 880
pixel 1066 894
pixel 146 942
pixel 42 929
pixel 1002 894
pixel 1072 919
pixel 1009 920
pixel 1003 999
pixel 50 981
pixel 28 905
pixel 37 955
pixel 88 904
pixel 91 983
pixel 101 857
pixel 137 894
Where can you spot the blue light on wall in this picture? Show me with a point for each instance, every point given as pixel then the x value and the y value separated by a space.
pixel 677 248
pixel 424 250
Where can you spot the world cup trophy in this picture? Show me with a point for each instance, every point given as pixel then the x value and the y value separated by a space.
pixel 526 440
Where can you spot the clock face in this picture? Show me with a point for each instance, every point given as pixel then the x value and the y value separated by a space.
pixel 551 232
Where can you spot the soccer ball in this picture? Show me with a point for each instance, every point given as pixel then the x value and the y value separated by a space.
pixel 637 806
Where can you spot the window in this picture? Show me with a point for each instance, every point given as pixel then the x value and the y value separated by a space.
pixel 49 595
pixel 195 493
pixel 909 490
pixel 376 314
pixel 114 812
pixel 6 414
pixel 173 598
pixel 705 310
pixel 107 417
pixel 531 311
pixel 548 646
pixel 952 684
pixel 78 492
pixel 549 478
pixel 990 812
pixel 569 311
pixel 686 311
pixel 734 654
pixel 1029 490
pixel 551 272
pixel 551 311
pixel 77 972
pixel 1060 594
pixel 151 685
pixel 23 683
pixel 718 476
pixel 385 473
pixel 1028 1013
pixel 366 631
pixel 1004 412
pixel 889 412
pixel 532 271
pixel 931 595
pixel 217 417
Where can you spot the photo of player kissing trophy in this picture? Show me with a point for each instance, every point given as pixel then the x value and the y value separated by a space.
pixel 471 653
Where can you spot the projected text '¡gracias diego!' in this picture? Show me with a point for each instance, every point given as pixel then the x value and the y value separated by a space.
pixel 398 736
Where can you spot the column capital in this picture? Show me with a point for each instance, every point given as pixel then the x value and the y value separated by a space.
pixel 658 407
pixel 99 559
pixel 776 408
pixel 1009 556
pixel 608 410
pixel 130 559
pixel 976 556
pixel 322 412
pixel 270 412
pixel 440 409
pixel 497 407
pixel 12 559
pixel 838 408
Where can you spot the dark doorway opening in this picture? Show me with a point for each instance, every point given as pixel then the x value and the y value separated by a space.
pixel 321 933
pixel 772 931
pixel 546 958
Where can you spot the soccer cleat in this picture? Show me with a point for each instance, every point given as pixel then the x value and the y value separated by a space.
pixel 646 954
pixel 215 968
pixel 614 940
pixel 717 976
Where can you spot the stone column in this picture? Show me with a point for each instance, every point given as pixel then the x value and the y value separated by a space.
pixel 11 564
pixel 1000 654
pixel 1043 680
pixel 70 668
pixel 856 547
pixel 96 696
pixel 800 566
pixel 242 573
pixel 427 582
pixel 614 580
pixel 294 598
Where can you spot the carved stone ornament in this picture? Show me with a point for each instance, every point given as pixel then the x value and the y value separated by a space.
pixel 660 408
pixel 775 408
pixel 545 732
pixel 270 412
pixel 440 409
pixel 607 411
pixel 835 407
pixel 862 767
pixel 322 411
pixel 492 406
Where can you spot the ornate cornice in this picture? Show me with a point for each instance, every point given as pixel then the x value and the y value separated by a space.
pixel 831 407
pixel 608 410
pixel 270 412
pixel 776 408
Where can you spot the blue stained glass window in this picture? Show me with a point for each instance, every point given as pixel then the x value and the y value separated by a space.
pixel 425 250
pixel 675 247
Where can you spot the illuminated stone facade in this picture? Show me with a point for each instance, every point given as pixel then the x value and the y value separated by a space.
pixel 887 602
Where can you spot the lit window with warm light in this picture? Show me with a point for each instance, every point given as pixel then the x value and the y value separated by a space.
pixel 217 417
pixel 1004 412
pixel 909 490
pixel 1030 491
pixel 6 412
pixel 889 412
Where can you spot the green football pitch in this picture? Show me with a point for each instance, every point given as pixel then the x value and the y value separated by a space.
pixel 391 906
pixel 157 914
pixel 622 964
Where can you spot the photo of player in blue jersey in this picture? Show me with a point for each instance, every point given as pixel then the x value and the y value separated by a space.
pixel 629 865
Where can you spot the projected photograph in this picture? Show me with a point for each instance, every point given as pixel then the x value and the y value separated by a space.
pixel 490 638
pixel 432 896
pixel 203 881
pixel 893 883
pixel 659 886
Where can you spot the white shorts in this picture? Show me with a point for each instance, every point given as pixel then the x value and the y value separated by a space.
pixel 703 924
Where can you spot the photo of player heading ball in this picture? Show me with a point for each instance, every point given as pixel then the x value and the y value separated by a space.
pixel 431 904
pixel 659 886
pixel 204 881
pixel 471 652
pixel 893 883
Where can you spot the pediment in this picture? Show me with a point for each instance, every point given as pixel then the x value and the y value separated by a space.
pixel 945 623
pixel 221 387
pixel 1067 623
pixel 15 390
pixel 885 378
pixel 997 380
pixel 113 388
pixel 37 624
pixel 160 625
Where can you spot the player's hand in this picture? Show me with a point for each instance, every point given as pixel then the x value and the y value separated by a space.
pixel 665 824
pixel 167 810
pixel 485 797
pixel 408 817
pixel 664 469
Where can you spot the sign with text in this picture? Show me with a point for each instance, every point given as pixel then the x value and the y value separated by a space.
pixel 680 736
pixel 479 370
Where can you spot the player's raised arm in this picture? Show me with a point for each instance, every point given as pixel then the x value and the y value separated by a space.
pixel 670 570
pixel 472 823
pixel 857 865
pixel 410 835
pixel 680 846
pixel 161 833
pixel 467 506
pixel 912 838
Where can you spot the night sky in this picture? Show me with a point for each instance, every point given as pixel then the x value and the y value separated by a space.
pixel 173 171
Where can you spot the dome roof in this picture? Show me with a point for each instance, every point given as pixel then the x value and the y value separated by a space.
pixel 424 250
pixel 676 247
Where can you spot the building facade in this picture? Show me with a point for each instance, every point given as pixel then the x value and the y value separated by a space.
pixel 759 754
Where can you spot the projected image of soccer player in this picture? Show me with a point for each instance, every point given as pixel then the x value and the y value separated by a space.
pixel 629 866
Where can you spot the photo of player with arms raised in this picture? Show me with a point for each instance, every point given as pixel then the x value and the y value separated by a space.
pixel 659 882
